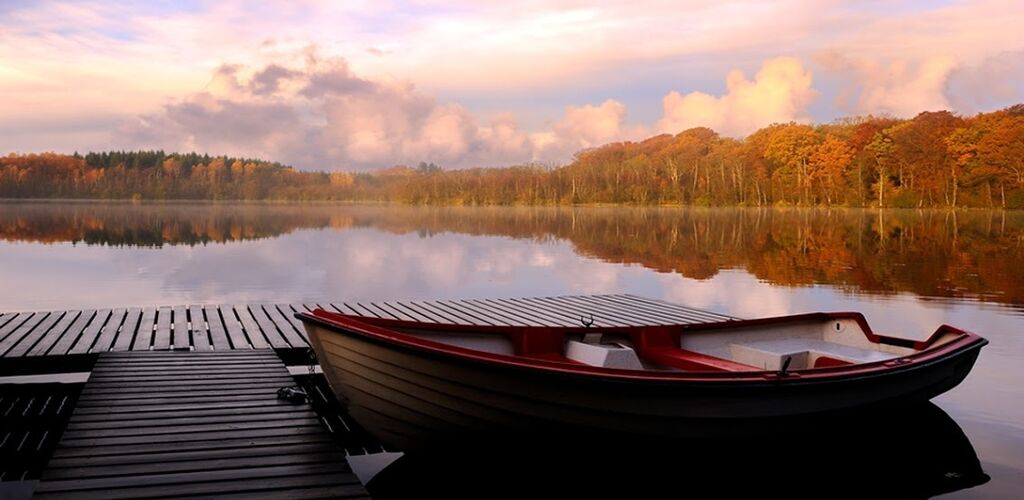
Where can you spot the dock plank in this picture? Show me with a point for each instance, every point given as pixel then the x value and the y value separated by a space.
pixel 268 327
pixel 124 340
pixel 260 326
pixel 574 313
pixel 218 334
pixel 401 311
pixel 200 330
pixel 698 315
pixel 454 316
pixel 288 310
pixel 30 346
pixel 631 311
pixel 6 317
pixel 109 332
pixel 342 307
pixel 233 328
pixel 180 334
pixel 470 313
pixel 544 318
pixel 664 314
pixel 16 321
pixel 290 332
pixel 144 335
pixel 165 423
pixel 58 344
pixel 15 334
pixel 85 340
pixel 490 310
pixel 252 329
pixel 602 312
pixel 16 342
pixel 376 310
pixel 162 333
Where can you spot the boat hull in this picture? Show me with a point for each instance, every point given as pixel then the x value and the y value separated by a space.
pixel 414 399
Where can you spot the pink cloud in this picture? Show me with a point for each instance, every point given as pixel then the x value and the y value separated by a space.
pixel 322 115
pixel 780 92
pixel 897 87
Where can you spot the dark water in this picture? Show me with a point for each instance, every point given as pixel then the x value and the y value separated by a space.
pixel 862 456
pixel 908 271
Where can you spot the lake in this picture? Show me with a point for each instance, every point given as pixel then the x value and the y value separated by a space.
pixel 907 271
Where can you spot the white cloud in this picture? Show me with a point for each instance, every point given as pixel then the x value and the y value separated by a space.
pixel 989 84
pixel 897 87
pixel 322 115
pixel 584 127
pixel 779 92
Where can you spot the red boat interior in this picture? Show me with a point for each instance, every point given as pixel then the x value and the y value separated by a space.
pixel 800 342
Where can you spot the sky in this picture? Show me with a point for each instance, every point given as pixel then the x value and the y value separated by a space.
pixel 365 85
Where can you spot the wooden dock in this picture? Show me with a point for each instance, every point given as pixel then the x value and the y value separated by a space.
pixel 263 326
pixel 181 400
pixel 172 424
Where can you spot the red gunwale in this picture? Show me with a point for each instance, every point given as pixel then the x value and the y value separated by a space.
pixel 381 330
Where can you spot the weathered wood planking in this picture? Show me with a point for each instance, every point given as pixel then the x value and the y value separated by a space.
pixel 32 417
pixel 171 424
pixel 259 326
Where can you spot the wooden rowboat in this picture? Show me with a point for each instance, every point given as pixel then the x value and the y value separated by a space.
pixel 418 385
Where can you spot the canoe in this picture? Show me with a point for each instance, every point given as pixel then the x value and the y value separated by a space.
pixel 419 385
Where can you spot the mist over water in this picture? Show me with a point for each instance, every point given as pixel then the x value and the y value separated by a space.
pixel 907 271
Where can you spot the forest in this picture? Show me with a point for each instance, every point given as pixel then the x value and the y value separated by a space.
pixel 936 159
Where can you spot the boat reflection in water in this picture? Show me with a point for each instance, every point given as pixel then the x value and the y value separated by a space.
pixel 908 452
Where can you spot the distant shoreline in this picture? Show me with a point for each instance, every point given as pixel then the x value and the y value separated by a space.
pixel 936 159
pixel 128 201
pixel 184 201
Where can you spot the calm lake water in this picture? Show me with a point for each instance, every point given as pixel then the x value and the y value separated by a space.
pixel 907 271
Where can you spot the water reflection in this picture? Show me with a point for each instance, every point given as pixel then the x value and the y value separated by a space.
pixel 152 225
pixel 940 254
pixel 915 452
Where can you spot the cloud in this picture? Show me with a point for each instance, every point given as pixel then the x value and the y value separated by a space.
pixel 897 87
pixel 991 84
pixel 74 68
pixel 584 127
pixel 592 125
pixel 320 114
pixel 269 79
pixel 781 91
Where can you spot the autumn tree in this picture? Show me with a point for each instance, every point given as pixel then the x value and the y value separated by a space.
pixel 827 166
pixel 790 147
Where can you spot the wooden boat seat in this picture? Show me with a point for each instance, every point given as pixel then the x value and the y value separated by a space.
pixel 604 355
pixel 805 353
pixel 692 361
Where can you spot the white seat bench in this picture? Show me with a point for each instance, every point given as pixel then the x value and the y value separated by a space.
pixel 605 355
pixel 770 354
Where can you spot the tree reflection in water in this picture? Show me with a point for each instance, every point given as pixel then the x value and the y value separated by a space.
pixel 931 253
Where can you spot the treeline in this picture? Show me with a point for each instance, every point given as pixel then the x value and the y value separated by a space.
pixel 936 159
pixel 156 175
